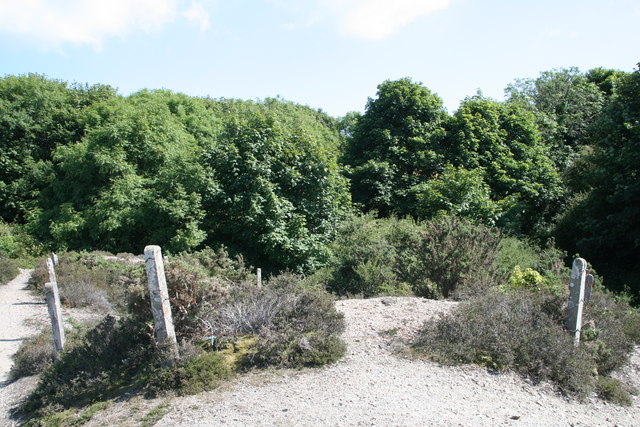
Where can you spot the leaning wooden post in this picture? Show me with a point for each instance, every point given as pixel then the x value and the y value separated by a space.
pixel 55 313
pixel 160 297
pixel 576 298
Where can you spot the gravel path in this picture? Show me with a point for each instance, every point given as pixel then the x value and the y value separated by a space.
pixel 373 386
pixel 22 316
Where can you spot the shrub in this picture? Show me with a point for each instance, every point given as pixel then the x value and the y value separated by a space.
pixel 512 331
pixel 110 358
pixel 523 331
pixel 613 390
pixel 548 262
pixel 292 327
pixel 8 270
pixel 90 280
pixel 611 328
pixel 458 259
pixel 33 356
pixel 202 372
pixel 16 243
pixel 363 259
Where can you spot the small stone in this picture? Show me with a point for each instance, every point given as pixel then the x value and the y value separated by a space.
pixel 515 417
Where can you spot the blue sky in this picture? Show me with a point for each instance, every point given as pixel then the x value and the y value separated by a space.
pixel 328 54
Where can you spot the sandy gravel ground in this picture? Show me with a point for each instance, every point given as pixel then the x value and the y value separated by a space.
pixel 373 385
pixel 22 316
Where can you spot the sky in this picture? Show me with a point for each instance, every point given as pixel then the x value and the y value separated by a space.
pixel 327 54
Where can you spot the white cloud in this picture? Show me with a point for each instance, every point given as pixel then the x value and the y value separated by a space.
pixel 198 16
pixel 377 19
pixel 55 22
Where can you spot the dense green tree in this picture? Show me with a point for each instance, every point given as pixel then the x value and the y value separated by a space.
pixel 281 192
pixel 458 191
pixel 133 180
pixel 603 224
pixel 566 103
pixel 503 140
pixel 168 169
pixel 36 116
pixel 395 145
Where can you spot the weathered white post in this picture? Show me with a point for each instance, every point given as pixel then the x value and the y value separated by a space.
pixel 160 297
pixel 55 313
pixel 52 272
pixel 576 298
pixel 54 258
pixel 259 277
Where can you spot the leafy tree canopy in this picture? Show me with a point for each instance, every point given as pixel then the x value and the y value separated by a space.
pixel 395 145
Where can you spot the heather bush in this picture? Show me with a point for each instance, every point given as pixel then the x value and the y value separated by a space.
pixel 90 280
pixel 8 270
pixel 33 356
pixel 522 330
pixel 109 358
pixel 512 331
pixel 214 300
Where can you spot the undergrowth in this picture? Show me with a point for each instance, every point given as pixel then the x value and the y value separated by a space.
pixel 224 322
pixel 522 330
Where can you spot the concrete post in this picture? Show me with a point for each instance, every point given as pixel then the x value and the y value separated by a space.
pixel 55 313
pixel 159 297
pixel 54 258
pixel 52 272
pixel 259 277
pixel 576 298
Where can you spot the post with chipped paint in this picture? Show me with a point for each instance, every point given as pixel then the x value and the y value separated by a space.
pixel 576 298
pixel 159 295
pixel 55 313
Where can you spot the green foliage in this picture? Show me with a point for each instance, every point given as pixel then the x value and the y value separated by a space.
pixel 16 243
pixel 503 140
pixel 444 257
pixel 280 191
pixel 395 145
pixel 364 259
pixel 613 390
pixel 36 116
pixel 458 259
pixel 457 191
pixel 602 224
pixel 133 178
pixel 566 102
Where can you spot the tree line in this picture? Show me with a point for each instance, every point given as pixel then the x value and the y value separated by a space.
pixel 82 167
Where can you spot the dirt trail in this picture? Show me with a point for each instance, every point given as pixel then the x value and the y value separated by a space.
pixel 22 316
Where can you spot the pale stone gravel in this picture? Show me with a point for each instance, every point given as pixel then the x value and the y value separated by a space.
pixel 375 385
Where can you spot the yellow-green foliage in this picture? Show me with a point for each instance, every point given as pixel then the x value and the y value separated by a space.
pixel 529 278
